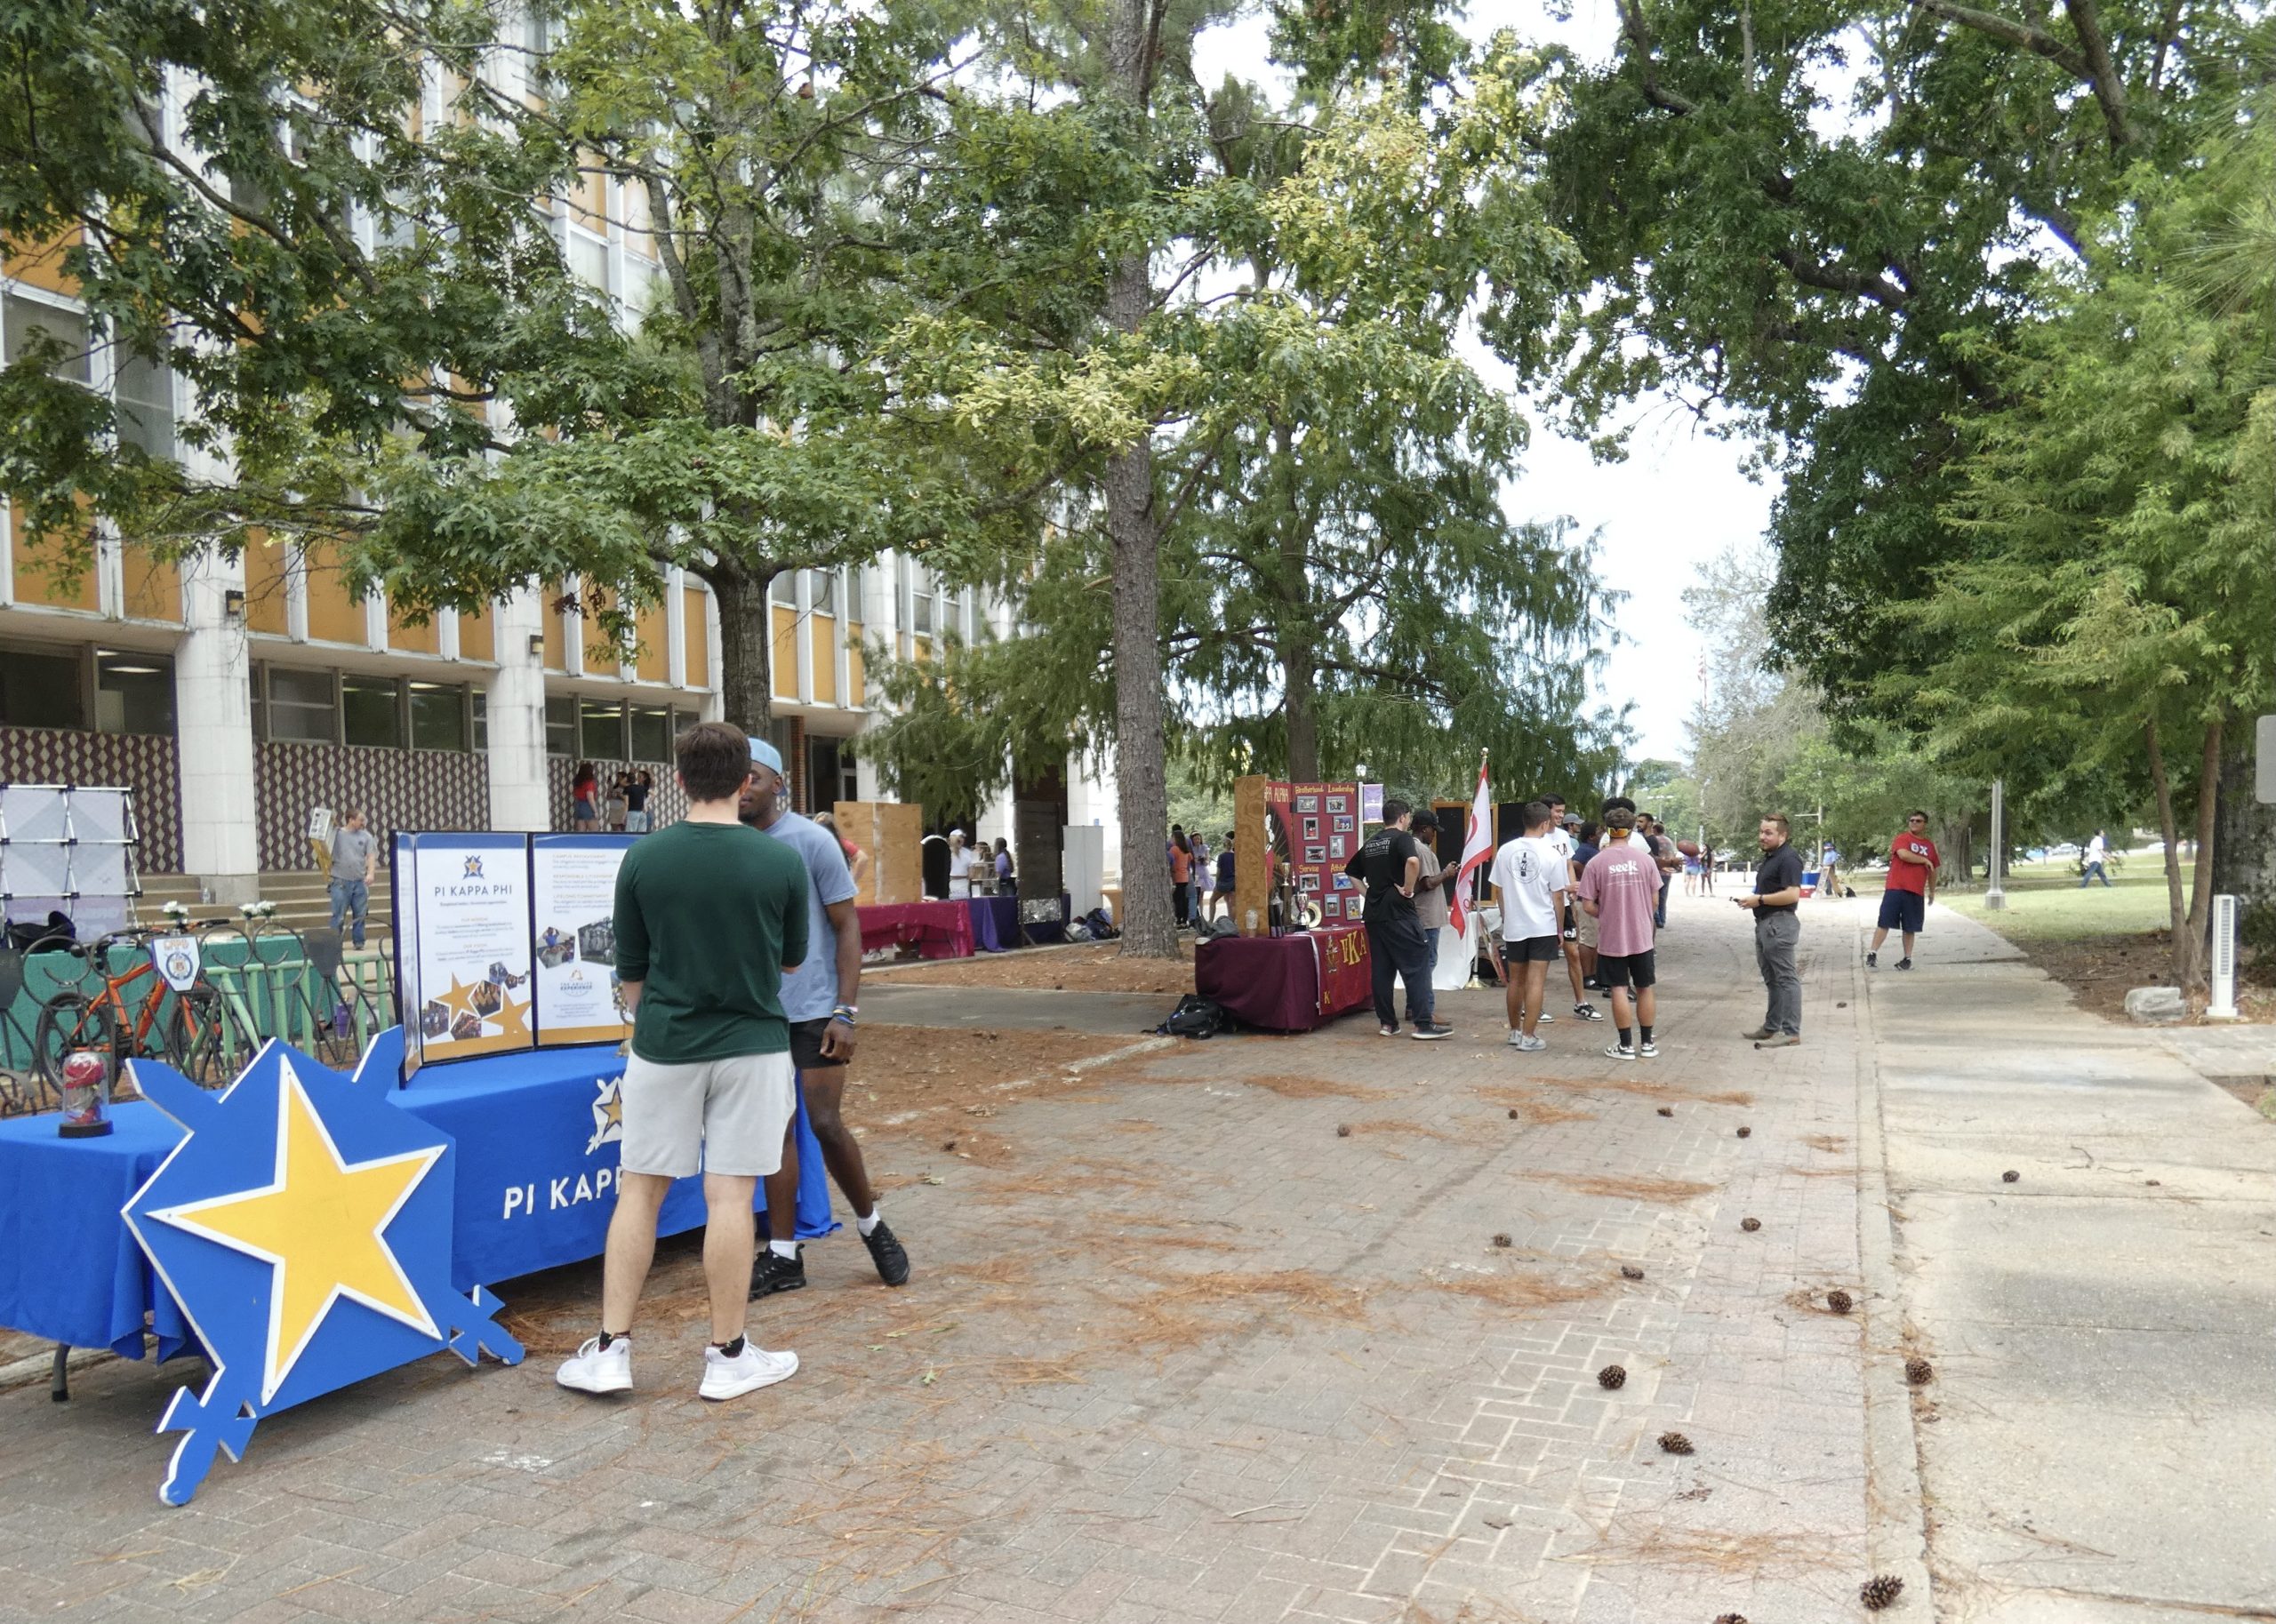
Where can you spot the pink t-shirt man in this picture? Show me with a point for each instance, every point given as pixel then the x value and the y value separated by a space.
pixel 1623 881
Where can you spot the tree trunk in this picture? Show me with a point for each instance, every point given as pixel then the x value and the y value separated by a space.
pixel 1148 927
pixel 746 648
pixel 2201 885
pixel 1298 648
pixel 2244 839
pixel 2184 950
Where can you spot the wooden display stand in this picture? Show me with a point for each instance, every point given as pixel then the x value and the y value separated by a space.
pixel 1252 839
pixel 893 834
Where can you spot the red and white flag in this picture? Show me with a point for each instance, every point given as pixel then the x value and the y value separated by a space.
pixel 1476 849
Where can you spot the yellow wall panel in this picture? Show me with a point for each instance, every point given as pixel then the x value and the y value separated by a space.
pixel 153 586
pixel 476 641
pixel 602 654
pixel 335 615
pixel 825 659
pixel 43 267
pixel 36 582
pixel 856 692
pixel 696 603
pixel 654 663
pixel 268 571
pixel 556 644
pixel 785 657
pixel 407 638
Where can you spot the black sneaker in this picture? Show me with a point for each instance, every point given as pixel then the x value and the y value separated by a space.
pixel 1430 1031
pixel 1904 964
pixel 886 1251
pixel 1588 1012
pixel 773 1272
pixel 1872 961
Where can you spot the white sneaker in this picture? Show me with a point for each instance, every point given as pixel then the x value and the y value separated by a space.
pixel 1516 1039
pixel 746 1372
pixel 1546 1017
pixel 595 1369
pixel 1529 1046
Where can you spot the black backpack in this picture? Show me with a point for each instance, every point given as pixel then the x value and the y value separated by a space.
pixel 1100 924
pixel 1196 1016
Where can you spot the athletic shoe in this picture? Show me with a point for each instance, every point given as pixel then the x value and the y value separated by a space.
pixel 1516 1039
pixel 1780 1040
pixel 1529 1046
pixel 1430 1032
pixel 1647 1049
pixel 595 1369
pixel 1759 1034
pixel 771 1272
pixel 1872 961
pixel 726 1376
pixel 1619 1052
pixel 1387 1031
pixel 1588 1012
pixel 1593 985
pixel 1904 964
pixel 886 1253
pixel 1546 1017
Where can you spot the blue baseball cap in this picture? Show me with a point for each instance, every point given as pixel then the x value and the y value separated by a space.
pixel 765 754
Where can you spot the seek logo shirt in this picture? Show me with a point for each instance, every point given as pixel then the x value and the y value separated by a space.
pixel 1624 884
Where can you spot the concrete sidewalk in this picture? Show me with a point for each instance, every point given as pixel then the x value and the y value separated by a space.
pixel 2100 1440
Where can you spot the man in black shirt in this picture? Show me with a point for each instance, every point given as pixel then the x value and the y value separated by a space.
pixel 1389 864
pixel 1777 932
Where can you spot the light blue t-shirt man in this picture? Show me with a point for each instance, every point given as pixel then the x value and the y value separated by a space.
pixel 810 992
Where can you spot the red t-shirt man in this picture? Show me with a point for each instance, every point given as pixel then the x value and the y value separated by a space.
pixel 1911 883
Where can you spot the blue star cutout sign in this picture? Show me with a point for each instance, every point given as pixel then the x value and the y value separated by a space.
pixel 304 1225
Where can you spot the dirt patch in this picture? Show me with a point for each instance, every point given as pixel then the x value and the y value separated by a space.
pixel 1290 1086
pixel 1392 1125
pixel 1530 1109
pixel 943 1087
pixel 1622 1187
pixel 1098 968
pixel 1513 1291
pixel 2100 970
pixel 1828 1143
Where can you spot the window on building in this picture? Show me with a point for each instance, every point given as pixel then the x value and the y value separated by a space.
pixel 821 591
pixel 600 725
pixel 134 693
pixel 561 726
pixel 480 709
pixel 438 716
pixel 588 258
pixel 21 318
pixel 920 602
pixel 371 711
pixel 42 688
pixel 303 706
pixel 651 732
pixel 784 589
pixel 146 404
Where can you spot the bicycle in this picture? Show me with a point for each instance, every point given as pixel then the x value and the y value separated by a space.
pixel 161 1025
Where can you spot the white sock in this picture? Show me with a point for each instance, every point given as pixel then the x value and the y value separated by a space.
pixel 784 1249
pixel 868 1226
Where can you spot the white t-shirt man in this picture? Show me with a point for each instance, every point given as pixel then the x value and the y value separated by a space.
pixel 959 867
pixel 1529 872
pixel 2097 850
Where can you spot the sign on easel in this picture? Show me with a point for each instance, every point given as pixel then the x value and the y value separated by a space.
pixel 573 889
pixel 462 944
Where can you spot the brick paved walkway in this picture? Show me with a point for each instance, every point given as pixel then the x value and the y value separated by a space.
pixel 1186 1354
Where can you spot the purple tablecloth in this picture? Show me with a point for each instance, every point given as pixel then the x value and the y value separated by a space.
pixel 995 923
pixel 1274 981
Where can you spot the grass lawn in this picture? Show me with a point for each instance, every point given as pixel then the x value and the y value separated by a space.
pixel 2045 903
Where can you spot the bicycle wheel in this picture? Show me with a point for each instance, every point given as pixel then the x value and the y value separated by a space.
pixel 201 1042
pixel 69 1021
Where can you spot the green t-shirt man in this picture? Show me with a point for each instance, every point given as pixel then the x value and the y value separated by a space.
pixel 707 915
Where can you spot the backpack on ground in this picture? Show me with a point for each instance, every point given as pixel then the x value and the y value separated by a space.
pixel 1196 1016
pixel 1100 924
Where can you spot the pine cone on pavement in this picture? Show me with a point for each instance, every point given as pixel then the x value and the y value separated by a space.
pixel 1730 1618
pixel 1629 1271
pixel 1612 1378
pixel 1749 1224
pixel 1746 1132
pixel 1343 1130
pixel 2010 1176
pixel 1667 1110
pixel 1880 1591
pixel 1501 1240
pixel 1675 1444
pixel 1838 1301
pixel 1919 1372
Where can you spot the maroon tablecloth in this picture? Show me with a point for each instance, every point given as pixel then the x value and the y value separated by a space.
pixel 939 930
pixel 1275 981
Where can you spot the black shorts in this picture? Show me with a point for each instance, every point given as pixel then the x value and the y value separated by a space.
pixel 1534 949
pixel 1903 910
pixel 806 1046
pixel 1636 970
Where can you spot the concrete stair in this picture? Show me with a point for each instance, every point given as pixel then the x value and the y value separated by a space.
pixel 299 895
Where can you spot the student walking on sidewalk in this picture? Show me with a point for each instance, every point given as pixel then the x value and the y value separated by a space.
pixel 710 916
pixel 1775 904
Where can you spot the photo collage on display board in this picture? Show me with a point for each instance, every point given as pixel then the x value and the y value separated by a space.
pixel 1318 830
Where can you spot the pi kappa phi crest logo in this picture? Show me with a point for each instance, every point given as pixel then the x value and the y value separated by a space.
pixel 303 1223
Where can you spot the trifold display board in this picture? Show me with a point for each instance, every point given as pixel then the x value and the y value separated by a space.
pixel 505 942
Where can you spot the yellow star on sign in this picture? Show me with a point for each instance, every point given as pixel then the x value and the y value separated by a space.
pixel 320 1224
pixel 460 1000
pixel 513 1019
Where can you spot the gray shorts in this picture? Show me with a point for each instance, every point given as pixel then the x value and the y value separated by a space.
pixel 722 1117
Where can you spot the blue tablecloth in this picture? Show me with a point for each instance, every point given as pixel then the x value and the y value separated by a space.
pixel 536 1188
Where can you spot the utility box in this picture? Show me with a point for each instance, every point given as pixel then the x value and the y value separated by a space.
pixel 893 834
